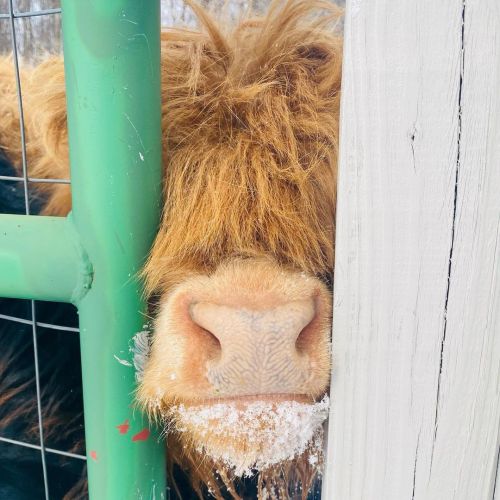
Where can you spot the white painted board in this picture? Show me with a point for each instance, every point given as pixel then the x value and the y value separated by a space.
pixel 416 336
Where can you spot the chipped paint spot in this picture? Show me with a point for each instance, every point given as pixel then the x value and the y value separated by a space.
pixel 141 436
pixel 123 362
pixel 123 428
pixel 173 376
pixel 141 156
pixel 93 455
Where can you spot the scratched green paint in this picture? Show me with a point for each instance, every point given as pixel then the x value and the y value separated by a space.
pixel 112 64
pixel 112 61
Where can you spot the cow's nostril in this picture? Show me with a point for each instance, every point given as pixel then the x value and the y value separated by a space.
pixel 305 337
pixel 205 339
pixel 213 341
pixel 308 335
pixel 206 321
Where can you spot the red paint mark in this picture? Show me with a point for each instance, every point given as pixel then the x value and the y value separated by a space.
pixel 141 436
pixel 93 455
pixel 123 428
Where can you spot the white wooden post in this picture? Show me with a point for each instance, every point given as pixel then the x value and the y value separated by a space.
pixel 416 378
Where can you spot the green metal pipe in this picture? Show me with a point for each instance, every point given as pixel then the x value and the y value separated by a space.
pixel 112 65
pixel 42 258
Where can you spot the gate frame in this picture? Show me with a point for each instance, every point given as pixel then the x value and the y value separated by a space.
pixel 92 257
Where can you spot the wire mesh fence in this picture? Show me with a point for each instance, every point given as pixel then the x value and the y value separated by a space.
pixel 38 27
pixel 28 30
pixel 38 388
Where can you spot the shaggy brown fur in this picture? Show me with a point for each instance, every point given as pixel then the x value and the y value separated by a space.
pixel 250 139
pixel 250 122
pixel 44 103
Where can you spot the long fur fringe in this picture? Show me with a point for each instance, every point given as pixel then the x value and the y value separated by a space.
pixel 250 123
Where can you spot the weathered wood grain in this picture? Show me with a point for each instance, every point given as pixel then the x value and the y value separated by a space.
pixel 415 386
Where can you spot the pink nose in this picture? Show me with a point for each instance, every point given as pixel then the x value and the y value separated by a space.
pixel 259 350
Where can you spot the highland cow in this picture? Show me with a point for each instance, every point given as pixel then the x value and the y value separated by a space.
pixel 241 268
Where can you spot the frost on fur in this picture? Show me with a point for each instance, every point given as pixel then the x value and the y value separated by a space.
pixel 249 438
pixel 140 348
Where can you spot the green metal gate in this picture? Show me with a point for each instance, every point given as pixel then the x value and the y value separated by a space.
pixel 92 257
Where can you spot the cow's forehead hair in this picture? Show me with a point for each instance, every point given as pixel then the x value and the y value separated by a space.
pixel 250 122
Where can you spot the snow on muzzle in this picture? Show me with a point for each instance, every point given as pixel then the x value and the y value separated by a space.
pixel 252 436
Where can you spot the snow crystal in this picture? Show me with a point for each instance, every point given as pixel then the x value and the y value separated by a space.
pixel 140 348
pixel 123 362
pixel 248 437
